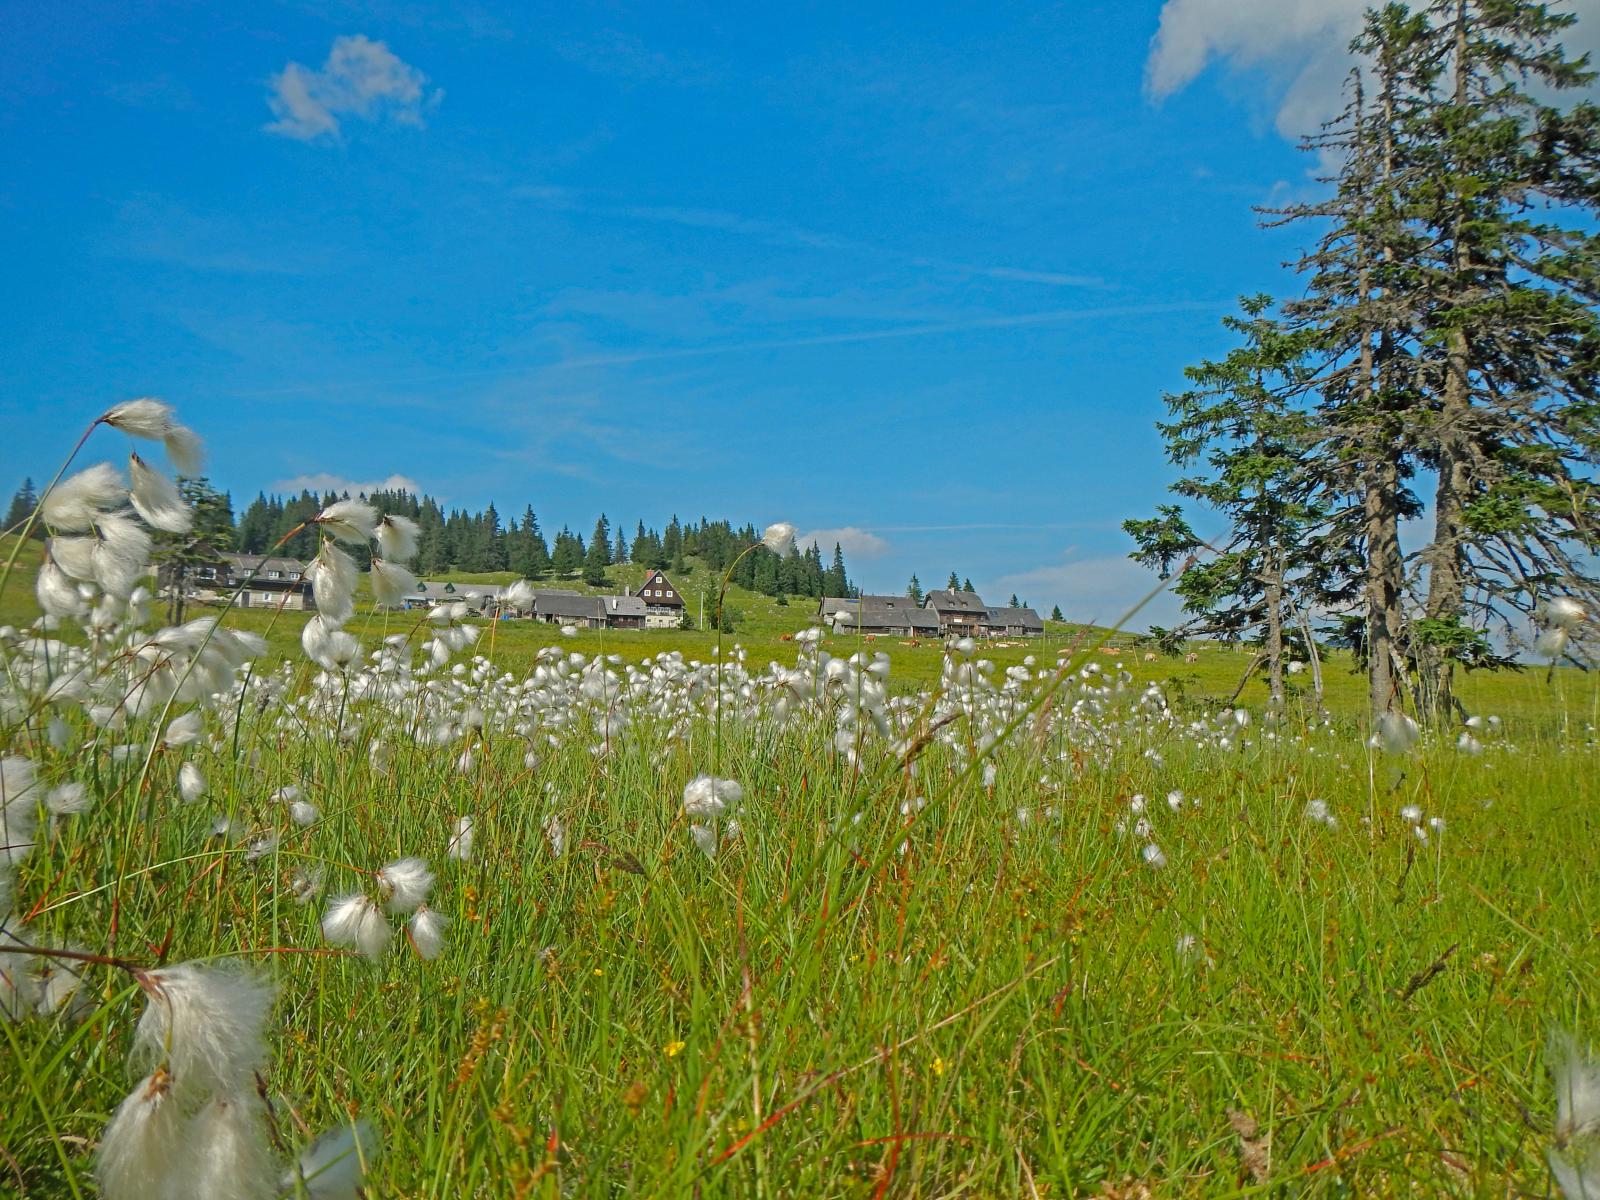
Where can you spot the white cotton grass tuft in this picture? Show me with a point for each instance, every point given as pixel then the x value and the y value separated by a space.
pixel 405 883
pixel 1318 811
pixel 184 730
pixel 349 520
pixel 58 596
pixel 327 645
pixel 460 847
pixel 1396 733
pixel 426 931
pixel 706 796
pixel 1154 857
pixel 332 576
pixel 705 837
pixel 156 498
pixel 335 1166
pixel 226 1152
pixel 397 537
pixel 391 583
pixel 76 503
pixel 1551 643
pixel 1577 1083
pixel 191 783
pixel 206 1024
pixel 779 538
pixel 1564 612
pixel 68 799
pixel 156 421
pixel 355 920
pixel 1575 1155
pixel 142 1142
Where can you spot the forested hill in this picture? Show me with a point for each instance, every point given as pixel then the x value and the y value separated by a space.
pixel 483 541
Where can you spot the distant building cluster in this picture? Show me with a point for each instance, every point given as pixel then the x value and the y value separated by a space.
pixel 942 613
pixel 274 582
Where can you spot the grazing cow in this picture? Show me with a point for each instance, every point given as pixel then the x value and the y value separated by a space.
pixel 786 637
pixel 1149 656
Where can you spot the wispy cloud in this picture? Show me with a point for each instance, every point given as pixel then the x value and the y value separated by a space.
pixel 931 329
pixel 1101 590
pixel 326 481
pixel 361 78
pixel 785 234
pixel 625 57
pixel 857 543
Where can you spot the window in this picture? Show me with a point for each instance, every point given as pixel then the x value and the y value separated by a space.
pixel 294 574
pixel 272 575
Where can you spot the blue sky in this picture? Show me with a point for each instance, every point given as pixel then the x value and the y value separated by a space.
pixel 917 273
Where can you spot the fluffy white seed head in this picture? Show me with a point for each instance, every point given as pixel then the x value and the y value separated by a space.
pixel 349 520
pixel 143 1142
pixel 332 576
pixel 460 848
pixel 391 583
pixel 1564 612
pixel 397 537
pixel 191 783
pixel 356 921
pixel 77 502
pixel 1397 733
pixel 707 797
pixel 226 1154
pixel 426 930
pixel 335 1165
pixel 58 596
pixel 405 883
pixel 184 730
pixel 205 1024
pixel 779 538
pixel 156 498
pixel 1577 1080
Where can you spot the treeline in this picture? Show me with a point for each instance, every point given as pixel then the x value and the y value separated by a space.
pixel 457 540
pixel 1438 365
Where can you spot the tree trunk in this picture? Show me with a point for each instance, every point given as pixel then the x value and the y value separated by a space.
pixel 1383 581
pixel 1446 591
pixel 1272 586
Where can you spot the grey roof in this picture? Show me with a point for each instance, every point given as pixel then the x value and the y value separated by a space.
pixel 624 606
pixel 943 600
pixel 442 593
pixel 1025 618
pixel 243 564
pixel 877 612
pixel 569 604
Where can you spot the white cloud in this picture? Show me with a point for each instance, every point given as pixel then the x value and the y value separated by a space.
pixel 1302 46
pixel 325 481
pixel 362 78
pixel 856 543
pixel 1100 590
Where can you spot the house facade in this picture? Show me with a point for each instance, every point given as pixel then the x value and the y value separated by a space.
pixel 961 614
pixel 663 606
pixel 888 616
pixel 252 581
pixel 1013 622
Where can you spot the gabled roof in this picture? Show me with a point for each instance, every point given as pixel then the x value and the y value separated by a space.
pixel 1024 618
pixel 243 564
pixel 656 601
pixel 624 606
pixel 569 604
pixel 449 593
pixel 942 600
